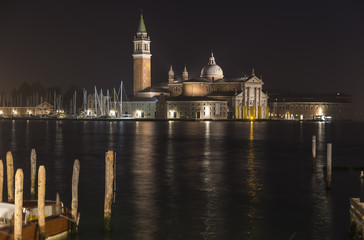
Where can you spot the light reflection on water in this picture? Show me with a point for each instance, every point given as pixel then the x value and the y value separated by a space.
pixel 144 183
pixel 198 180
pixel 211 176
pixel 322 219
pixel 254 187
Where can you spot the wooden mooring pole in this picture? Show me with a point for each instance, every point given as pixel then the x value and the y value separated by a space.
pixel 10 176
pixel 33 172
pixel 41 201
pixel 109 180
pixel 18 211
pixel 74 207
pixel 313 152
pixel 58 204
pixel 1 179
pixel 329 165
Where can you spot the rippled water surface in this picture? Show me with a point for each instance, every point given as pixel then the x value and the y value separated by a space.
pixel 198 180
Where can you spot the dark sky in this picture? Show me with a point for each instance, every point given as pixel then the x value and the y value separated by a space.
pixel 312 46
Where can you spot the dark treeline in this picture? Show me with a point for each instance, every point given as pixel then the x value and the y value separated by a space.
pixel 31 95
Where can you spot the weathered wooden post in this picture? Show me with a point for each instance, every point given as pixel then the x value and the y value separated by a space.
pixel 329 164
pixel 361 189
pixel 75 180
pixel 1 179
pixel 313 152
pixel 109 180
pixel 33 172
pixel 10 176
pixel 58 205
pixel 41 201
pixel 18 211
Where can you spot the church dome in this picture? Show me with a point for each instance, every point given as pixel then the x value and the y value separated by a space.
pixel 212 71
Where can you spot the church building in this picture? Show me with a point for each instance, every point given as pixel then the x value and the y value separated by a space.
pixel 243 97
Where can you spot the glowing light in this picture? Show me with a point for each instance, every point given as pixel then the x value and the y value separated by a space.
pixel 88 112
pixel 207 111
pixel 320 111
pixel 14 112
pixel 29 112
pixel 171 113
pixel 1 112
pixel 251 118
pixel 112 113
pixel 138 113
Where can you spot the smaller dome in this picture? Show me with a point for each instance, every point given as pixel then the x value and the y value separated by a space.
pixel 212 71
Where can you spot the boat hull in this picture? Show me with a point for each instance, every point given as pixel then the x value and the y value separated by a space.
pixel 56 228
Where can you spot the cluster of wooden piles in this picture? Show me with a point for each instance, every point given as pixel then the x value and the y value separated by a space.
pixel 35 219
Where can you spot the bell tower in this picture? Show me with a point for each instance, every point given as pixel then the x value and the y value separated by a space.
pixel 142 59
pixel 171 76
pixel 185 74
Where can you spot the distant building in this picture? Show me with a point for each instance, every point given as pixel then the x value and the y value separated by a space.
pixel 193 108
pixel 243 96
pixel 295 106
pixel 42 109
pixel 141 107
pixel 134 107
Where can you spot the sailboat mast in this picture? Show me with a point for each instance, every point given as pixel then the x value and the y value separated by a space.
pixel 107 102
pixel 95 101
pixel 121 98
pixel 75 104
pixel 101 104
pixel 114 101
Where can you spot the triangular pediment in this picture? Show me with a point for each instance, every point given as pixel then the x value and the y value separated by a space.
pixel 254 79
pixel 44 105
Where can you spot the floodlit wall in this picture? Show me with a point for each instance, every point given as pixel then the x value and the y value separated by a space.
pixel 308 110
pixel 197 110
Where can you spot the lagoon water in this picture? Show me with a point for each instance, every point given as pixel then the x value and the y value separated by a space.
pixel 197 180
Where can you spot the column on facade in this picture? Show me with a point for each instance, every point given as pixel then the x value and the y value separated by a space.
pixel 248 102
pixel 256 102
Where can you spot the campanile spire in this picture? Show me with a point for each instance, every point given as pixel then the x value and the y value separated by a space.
pixel 142 58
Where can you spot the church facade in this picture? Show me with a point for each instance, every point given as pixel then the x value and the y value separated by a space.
pixel 235 98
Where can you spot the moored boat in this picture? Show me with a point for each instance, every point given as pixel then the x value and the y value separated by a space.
pixel 58 222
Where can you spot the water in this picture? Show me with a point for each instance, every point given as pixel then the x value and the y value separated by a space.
pixel 198 180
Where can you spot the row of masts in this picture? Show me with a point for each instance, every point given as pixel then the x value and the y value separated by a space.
pixel 96 104
pixel 33 100
pixel 101 105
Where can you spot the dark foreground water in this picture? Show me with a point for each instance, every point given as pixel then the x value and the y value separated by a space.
pixel 198 180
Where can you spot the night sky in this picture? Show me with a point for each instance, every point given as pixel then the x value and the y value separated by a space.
pixel 309 46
